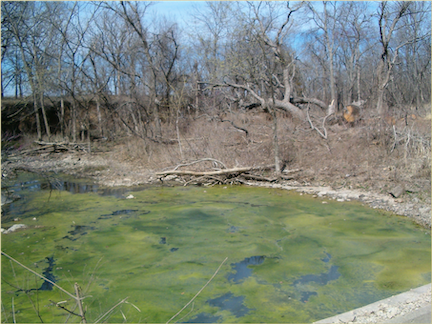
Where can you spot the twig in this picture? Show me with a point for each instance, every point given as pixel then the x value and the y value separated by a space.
pixel 37 274
pixel 111 309
pixel 395 139
pixel 187 313
pixel 13 311
pixel 323 124
pixel 198 292
pixel 203 177
pixel 78 299
pixel 4 311
pixel 139 310
pixel 201 160
pixel 235 126
pixel 64 308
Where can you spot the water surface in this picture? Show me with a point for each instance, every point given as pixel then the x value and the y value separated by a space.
pixel 290 257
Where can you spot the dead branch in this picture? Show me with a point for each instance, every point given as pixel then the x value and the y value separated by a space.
pixel 203 177
pixel 212 173
pixel 201 160
pixel 291 171
pixel 64 308
pixel 235 126
pixel 323 124
pixel 255 177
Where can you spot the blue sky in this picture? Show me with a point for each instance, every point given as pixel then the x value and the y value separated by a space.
pixel 176 9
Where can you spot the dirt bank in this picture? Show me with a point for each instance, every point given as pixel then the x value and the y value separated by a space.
pixel 108 170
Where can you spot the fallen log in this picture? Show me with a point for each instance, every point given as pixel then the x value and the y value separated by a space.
pixel 60 146
pixel 212 173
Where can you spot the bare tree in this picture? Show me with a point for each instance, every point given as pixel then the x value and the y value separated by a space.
pixel 354 28
pixel 326 22
pixel 411 74
pixel 389 17
pixel 22 21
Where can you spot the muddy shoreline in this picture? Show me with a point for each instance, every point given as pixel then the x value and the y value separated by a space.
pixel 108 172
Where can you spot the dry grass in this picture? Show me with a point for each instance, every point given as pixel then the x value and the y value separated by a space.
pixel 366 149
pixel 370 155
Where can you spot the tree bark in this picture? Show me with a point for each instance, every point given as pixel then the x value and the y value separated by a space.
pixel 47 128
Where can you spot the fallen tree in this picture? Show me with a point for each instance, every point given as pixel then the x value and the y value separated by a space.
pixel 222 176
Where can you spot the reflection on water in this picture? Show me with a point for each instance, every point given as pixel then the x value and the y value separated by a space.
pixel 49 275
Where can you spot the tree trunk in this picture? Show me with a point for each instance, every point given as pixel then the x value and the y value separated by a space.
pixel 276 143
pixel 36 111
pixel 74 120
pixel 47 129
pixel 99 116
pixel 62 112
pixel 358 83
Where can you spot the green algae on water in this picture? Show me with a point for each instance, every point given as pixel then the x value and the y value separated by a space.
pixel 290 257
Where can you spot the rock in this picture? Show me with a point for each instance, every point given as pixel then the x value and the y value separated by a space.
pixel 397 191
pixel 13 228
pixel 425 210
pixel 130 197
pixel 7 198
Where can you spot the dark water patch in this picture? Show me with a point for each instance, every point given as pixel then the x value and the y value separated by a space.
pixel 305 295
pixel 64 248
pixel 123 212
pixel 163 240
pixel 78 231
pixel 71 187
pixel 120 212
pixel 327 258
pixel 48 274
pixel 231 303
pixel 81 229
pixel 173 249
pixel 116 192
pixel 63 182
pixel 204 318
pixel 233 229
pixel 321 279
pixel 242 268
pixel 55 183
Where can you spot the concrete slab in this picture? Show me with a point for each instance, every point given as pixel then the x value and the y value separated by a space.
pixel 413 306
pixel 419 316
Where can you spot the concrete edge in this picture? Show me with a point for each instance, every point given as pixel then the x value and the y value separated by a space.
pixel 421 315
pixel 394 301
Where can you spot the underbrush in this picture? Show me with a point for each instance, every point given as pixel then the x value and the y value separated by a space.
pixel 371 154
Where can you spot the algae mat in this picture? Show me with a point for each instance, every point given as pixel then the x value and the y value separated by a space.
pixel 291 258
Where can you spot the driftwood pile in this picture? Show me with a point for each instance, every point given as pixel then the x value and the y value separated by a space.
pixel 56 147
pixel 220 174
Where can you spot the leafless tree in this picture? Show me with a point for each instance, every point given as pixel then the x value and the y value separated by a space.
pixel 326 24
pixel 389 16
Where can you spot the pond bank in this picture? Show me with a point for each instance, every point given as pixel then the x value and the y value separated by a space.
pixel 110 172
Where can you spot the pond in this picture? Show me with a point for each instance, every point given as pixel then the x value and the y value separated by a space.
pixel 291 258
